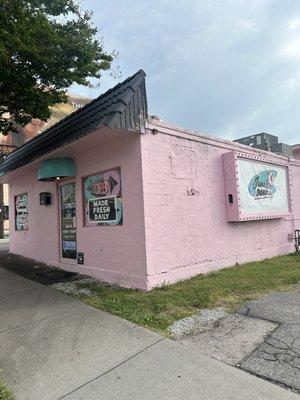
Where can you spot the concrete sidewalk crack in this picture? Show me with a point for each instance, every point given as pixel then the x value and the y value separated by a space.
pixel 18 292
pixel 37 321
pixel 111 369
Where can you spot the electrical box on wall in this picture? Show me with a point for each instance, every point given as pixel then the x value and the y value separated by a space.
pixel 45 198
pixel 80 258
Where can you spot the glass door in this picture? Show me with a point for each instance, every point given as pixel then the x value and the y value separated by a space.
pixel 68 221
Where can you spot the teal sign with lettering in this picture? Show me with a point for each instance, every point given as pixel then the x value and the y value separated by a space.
pixel 262 185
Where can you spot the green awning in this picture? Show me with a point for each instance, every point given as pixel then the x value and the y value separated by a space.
pixel 55 168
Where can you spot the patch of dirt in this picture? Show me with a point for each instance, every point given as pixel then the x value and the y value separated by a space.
pixel 36 271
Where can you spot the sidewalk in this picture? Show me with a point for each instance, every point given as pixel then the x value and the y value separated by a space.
pixel 4 244
pixel 54 347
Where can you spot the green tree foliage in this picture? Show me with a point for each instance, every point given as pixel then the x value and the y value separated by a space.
pixel 45 46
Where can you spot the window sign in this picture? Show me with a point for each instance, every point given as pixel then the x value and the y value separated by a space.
pixel 103 198
pixel 21 206
pixel 68 221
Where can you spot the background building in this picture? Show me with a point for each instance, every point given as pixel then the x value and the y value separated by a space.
pixel 14 140
pixel 296 150
pixel 265 141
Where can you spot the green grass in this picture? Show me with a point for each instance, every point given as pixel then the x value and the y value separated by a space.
pixel 229 287
pixel 5 393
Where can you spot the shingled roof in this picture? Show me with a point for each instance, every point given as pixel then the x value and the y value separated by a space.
pixel 124 106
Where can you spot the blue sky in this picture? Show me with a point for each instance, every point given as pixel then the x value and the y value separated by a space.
pixel 228 68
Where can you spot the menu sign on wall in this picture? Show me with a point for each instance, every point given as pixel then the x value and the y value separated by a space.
pixel 103 198
pixel 21 207
pixel 68 221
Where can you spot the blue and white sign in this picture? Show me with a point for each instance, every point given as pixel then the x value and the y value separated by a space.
pixel 69 245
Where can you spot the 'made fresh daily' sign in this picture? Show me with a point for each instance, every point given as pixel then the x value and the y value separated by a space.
pixel 103 209
pixel 103 198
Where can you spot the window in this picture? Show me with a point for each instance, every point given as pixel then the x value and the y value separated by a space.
pixel 6 212
pixel 103 198
pixel 21 212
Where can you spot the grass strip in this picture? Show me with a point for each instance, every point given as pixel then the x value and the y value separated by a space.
pixel 230 287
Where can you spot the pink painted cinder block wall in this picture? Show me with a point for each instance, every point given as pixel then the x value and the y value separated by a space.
pixel 297 152
pixel 112 253
pixel 40 240
pixel 167 234
pixel 295 169
pixel 188 235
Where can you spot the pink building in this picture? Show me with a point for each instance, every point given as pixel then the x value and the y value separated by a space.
pixel 113 193
pixel 296 151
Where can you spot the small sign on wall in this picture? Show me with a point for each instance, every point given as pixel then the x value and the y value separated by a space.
pixel 80 258
pixel 21 215
pixel 103 198
pixel 103 209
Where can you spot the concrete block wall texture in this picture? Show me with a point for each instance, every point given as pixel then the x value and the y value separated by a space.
pixel 295 170
pixel 174 223
pixel 187 232
pixel 112 253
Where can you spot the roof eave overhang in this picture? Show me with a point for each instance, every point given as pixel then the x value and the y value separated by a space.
pixel 35 150
pixel 105 135
pixel 127 111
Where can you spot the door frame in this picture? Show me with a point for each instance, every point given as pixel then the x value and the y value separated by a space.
pixel 62 182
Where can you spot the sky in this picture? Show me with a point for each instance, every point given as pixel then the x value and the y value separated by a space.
pixel 228 68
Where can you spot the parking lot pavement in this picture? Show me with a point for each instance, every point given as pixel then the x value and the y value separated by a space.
pixel 262 338
pixel 277 358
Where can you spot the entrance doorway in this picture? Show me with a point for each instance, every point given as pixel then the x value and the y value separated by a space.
pixel 68 221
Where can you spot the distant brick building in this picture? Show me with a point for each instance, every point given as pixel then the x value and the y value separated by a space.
pixel 296 150
pixel 36 126
pixel 14 140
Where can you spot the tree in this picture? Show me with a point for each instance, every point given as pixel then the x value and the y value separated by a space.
pixel 45 47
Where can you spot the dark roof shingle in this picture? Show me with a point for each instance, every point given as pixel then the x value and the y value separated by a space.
pixel 124 106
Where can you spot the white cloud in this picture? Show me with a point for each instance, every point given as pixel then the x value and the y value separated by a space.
pixel 292 83
pixel 227 67
pixel 245 25
pixel 292 49
pixel 293 23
